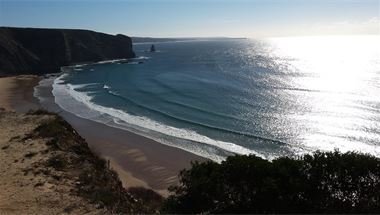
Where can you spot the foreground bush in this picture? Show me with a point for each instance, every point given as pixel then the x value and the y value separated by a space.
pixel 321 183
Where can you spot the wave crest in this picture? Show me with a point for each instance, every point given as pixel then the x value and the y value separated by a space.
pixel 81 104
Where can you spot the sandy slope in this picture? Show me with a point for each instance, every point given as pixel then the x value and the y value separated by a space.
pixel 24 188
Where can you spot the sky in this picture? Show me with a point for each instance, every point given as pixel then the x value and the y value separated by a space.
pixel 198 18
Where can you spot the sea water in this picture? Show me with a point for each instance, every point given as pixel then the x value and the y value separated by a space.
pixel 271 97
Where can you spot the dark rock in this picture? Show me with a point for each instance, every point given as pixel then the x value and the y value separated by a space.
pixel 41 51
pixel 152 48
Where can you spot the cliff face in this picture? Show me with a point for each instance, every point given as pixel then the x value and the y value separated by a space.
pixel 40 51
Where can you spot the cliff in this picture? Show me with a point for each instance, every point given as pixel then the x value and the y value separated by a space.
pixel 40 51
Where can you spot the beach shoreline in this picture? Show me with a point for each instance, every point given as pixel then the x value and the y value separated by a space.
pixel 16 93
pixel 139 161
pixel 5 87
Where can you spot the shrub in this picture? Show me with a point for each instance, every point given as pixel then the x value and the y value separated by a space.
pixel 325 182
pixel 52 128
pixel 148 197
pixel 39 112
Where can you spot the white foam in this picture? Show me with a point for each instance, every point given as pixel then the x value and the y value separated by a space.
pixel 67 97
pixel 110 61
pixel 42 83
pixel 79 67
pixel 141 58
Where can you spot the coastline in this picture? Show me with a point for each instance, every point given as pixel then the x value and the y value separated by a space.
pixel 139 161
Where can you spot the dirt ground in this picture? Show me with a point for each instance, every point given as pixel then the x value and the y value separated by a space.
pixel 24 189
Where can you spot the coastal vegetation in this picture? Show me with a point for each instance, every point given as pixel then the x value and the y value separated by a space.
pixel 97 182
pixel 324 182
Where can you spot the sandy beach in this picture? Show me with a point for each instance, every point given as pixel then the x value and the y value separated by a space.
pixel 16 93
pixel 5 87
pixel 139 161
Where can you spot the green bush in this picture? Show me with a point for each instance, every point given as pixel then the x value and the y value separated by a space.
pixel 52 128
pixel 39 112
pixel 325 182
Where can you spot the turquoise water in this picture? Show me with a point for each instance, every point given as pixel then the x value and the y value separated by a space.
pixel 270 97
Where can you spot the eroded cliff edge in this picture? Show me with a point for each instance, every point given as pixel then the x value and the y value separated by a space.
pixel 47 168
pixel 40 51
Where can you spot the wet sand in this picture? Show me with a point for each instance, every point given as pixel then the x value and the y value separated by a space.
pixel 16 93
pixel 139 161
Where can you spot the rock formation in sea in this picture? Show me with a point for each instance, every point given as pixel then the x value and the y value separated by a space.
pixel 41 51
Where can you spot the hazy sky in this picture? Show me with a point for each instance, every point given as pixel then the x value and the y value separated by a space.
pixel 181 18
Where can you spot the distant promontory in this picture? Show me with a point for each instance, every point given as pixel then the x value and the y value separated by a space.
pixel 40 51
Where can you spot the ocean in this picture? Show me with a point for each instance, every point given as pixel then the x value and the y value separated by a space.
pixel 215 98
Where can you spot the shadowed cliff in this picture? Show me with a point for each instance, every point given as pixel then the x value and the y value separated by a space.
pixel 40 51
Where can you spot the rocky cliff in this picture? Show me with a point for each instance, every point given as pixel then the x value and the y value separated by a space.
pixel 41 51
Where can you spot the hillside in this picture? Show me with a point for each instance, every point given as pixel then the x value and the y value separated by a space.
pixel 41 51
pixel 47 168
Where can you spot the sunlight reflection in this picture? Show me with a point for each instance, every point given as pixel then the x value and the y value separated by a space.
pixel 342 75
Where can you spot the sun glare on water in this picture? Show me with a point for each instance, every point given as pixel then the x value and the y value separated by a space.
pixel 342 77
pixel 335 63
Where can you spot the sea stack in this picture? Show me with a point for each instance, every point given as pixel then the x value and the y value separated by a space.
pixel 152 49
